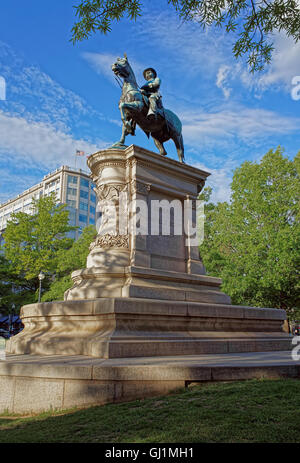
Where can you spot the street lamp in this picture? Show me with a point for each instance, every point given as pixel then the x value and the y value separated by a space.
pixel 41 276
pixel 11 318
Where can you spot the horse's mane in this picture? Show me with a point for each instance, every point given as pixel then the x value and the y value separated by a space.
pixel 132 74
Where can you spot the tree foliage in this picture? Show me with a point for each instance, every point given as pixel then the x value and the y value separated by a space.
pixel 252 22
pixel 68 261
pixel 38 242
pixel 253 242
pixel 14 289
pixel 33 241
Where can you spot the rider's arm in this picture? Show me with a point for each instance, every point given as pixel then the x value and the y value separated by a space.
pixel 155 84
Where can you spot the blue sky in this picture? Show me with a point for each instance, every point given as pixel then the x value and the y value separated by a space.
pixel 61 97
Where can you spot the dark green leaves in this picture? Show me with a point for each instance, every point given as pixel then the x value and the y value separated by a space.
pixel 253 242
pixel 32 242
pixel 98 15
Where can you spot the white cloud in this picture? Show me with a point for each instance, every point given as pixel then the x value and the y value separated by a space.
pixel 284 66
pixel 38 123
pixel 40 143
pixel 196 51
pixel 209 52
pixel 221 80
pixel 12 183
pixel 102 62
pixel 219 181
pixel 285 63
pixel 242 122
pixel 34 95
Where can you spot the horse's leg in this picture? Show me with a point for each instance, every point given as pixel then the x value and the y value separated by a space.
pixel 160 146
pixel 124 133
pixel 126 124
pixel 178 140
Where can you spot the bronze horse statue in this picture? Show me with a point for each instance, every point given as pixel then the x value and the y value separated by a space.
pixel 134 108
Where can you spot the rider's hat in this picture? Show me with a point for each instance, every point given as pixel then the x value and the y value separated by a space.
pixel 149 69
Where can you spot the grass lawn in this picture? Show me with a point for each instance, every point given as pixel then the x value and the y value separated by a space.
pixel 248 411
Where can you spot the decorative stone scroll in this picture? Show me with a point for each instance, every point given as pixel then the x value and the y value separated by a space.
pixel 110 192
pixel 109 241
pixel 140 188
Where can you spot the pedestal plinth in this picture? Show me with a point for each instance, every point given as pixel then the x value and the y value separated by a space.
pixel 144 291
pixel 142 318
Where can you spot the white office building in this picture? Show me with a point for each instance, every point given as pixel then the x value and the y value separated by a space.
pixel 71 186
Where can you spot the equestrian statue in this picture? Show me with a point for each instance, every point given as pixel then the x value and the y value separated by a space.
pixel 143 106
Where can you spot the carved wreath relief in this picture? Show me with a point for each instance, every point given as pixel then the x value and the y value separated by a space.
pixel 112 202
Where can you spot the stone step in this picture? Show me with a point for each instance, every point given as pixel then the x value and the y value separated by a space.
pixel 31 384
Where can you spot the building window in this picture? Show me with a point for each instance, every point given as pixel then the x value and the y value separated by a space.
pixel 71 203
pixel 92 210
pixel 72 179
pixel 82 218
pixel 92 221
pixel 72 191
pixel 83 206
pixel 84 182
pixel 84 194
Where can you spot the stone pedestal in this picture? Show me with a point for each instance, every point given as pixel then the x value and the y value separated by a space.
pixel 142 318
pixel 145 246
pixel 145 294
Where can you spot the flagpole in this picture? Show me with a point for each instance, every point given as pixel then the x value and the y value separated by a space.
pixel 78 153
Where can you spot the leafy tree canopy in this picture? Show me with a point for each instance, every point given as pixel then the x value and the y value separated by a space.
pixel 33 241
pixel 253 242
pixel 38 242
pixel 68 261
pixel 252 22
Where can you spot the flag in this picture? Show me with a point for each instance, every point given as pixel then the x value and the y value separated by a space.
pixel 79 153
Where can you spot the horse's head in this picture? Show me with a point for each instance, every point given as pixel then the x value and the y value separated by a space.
pixel 122 67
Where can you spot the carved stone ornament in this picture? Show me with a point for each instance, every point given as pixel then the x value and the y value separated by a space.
pixel 110 241
pixel 139 187
pixel 110 192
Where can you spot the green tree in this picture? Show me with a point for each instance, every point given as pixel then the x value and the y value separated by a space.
pixel 14 288
pixel 32 243
pixel 253 242
pixel 253 22
pixel 68 261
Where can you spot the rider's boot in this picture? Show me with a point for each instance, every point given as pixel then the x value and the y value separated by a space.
pixel 152 109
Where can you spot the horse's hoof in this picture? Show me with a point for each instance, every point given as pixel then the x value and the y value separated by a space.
pixel 118 145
